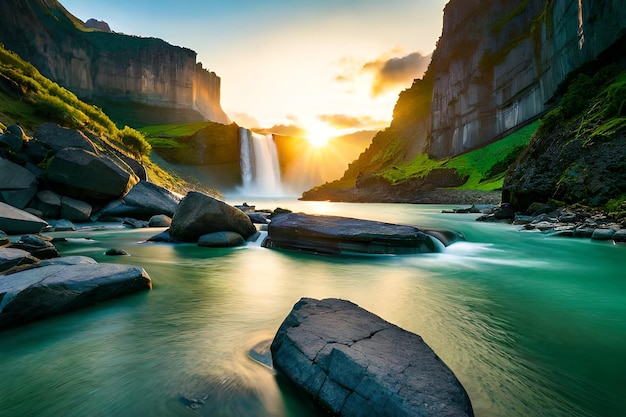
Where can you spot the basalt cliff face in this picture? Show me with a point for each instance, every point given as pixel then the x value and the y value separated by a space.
pixel 105 67
pixel 498 64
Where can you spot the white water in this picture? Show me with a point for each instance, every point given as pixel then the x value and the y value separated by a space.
pixel 260 171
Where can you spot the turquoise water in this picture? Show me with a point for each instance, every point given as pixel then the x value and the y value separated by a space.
pixel 531 325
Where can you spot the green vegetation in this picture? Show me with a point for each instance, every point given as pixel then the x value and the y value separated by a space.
pixel 484 167
pixel 173 131
pixel 135 141
pixel 598 101
pixel 30 99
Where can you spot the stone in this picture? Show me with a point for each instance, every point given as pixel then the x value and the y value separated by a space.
pixel 12 257
pixel 160 220
pixel 39 293
pixel 151 199
pixel 258 218
pixel 62 225
pixel 603 234
pixel 199 214
pixel 13 138
pixel 134 223
pixel 116 252
pixel 36 151
pixel 49 203
pixel 38 246
pixel 17 184
pixel 57 137
pixel 620 236
pixel 83 175
pixel 15 221
pixel 162 237
pixel 335 235
pixel 75 210
pixel 221 240
pixel 354 363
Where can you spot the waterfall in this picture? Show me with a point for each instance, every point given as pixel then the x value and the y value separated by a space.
pixel 258 159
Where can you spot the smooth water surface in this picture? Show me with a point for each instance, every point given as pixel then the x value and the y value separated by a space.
pixel 531 325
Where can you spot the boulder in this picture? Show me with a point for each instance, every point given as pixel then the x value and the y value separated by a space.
pixel 39 293
pixel 15 221
pixel 602 234
pixel 57 137
pixel 151 199
pixel 62 225
pixel 89 177
pixel 17 184
pixel 12 257
pixel 199 214
pixel 335 235
pixel 49 203
pixel 160 220
pixel 221 240
pixel 38 246
pixel 354 363
pixel 116 252
pixel 164 236
pixel 75 210
pixel 620 236
pixel 13 138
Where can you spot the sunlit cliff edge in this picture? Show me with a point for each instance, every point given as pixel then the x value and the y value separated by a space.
pixel 141 79
pixel 498 67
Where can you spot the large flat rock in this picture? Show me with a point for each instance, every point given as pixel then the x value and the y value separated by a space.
pixel 339 235
pixel 57 288
pixel 14 221
pixel 356 364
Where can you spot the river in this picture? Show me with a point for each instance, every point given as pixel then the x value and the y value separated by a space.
pixel 531 325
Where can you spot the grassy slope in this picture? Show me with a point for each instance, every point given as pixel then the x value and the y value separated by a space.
pixel 29 99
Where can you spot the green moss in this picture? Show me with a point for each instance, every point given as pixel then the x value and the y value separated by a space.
pixel 173 130
pixel 484 167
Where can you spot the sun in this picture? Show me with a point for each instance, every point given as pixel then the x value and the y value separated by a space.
pixel 320 134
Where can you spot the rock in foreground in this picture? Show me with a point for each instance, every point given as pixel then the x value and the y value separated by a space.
pixel 356 364
pixel 335 235
pixel 42 292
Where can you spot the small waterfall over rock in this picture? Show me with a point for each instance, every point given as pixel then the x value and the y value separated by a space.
pixel 258 159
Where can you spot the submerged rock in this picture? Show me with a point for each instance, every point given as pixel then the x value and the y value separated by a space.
pixel 42 292
pixel 335 235
pixel 356 364
pixel 221 240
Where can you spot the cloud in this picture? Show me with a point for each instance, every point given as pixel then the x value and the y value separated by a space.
pixel 344 121
pixel 388 72
pixel 287 130
pixel 244 119
pixel 391 73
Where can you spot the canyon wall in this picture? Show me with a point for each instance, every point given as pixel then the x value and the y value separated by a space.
pixel 498 64
pixel 102 66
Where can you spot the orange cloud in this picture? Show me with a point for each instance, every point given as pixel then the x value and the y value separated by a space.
pixel 344 121
pixel 389 74
pixel 386 73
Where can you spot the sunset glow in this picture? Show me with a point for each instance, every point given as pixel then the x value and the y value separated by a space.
pixel 320 134
pixel 302 61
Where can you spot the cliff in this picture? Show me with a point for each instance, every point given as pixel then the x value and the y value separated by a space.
pixel 499 64
pixel 498 67
pixel 105 67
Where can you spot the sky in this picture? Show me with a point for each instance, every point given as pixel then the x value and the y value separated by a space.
pixel 318 64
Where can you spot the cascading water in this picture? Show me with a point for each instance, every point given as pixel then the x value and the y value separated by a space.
pixel 258 158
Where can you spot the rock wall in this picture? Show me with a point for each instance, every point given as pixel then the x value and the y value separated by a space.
pixel 498 64
pixel 99 65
